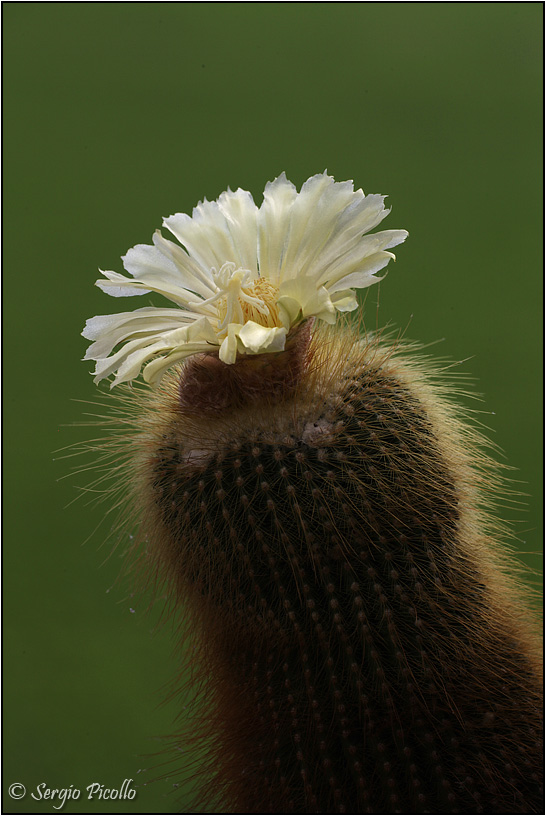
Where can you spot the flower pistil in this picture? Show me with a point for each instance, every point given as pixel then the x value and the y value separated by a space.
pixel 241 297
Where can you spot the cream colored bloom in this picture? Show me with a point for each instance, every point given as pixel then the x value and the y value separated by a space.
pixel 243 277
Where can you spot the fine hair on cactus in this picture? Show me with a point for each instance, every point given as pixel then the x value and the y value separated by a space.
pixel 318 513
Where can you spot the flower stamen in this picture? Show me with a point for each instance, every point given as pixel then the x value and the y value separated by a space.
pixel 240 298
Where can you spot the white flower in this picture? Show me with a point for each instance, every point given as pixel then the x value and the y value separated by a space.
pixel 245 276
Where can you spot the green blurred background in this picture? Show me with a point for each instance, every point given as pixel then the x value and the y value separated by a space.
pixel 117 114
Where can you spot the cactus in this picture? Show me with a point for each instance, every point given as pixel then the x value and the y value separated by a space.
pixel 363 648
pixel 317 513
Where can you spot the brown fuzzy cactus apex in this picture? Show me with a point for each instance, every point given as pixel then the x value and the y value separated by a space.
pixel 318 514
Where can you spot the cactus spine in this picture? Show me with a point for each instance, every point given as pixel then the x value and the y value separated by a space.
pixel 358 641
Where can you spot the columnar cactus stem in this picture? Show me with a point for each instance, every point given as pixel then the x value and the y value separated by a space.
pixel 317 512
pixel 364 649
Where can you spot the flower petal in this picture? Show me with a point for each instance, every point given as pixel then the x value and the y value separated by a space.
pixel 312 301
pixel 274 226
pixel 241 216
pixel 192 276
pixel 118 285
pixel 154 371
pixel 257 339
pixel 344 301
pixel 220 231
pixel 109 330
pixel 356 257
pixel 366 274
pixel 198 334
pixel 314 213
pixel 151 267
pixel 289 311
pixel 131 366
pixel 230 345
pixel 197 337
pixel 141 348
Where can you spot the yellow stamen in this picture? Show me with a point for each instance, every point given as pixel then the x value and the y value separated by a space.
pixel 257 301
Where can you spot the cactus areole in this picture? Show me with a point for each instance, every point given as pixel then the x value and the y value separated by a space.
pixel 316 510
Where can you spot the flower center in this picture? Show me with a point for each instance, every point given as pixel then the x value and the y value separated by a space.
pixel 241 298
